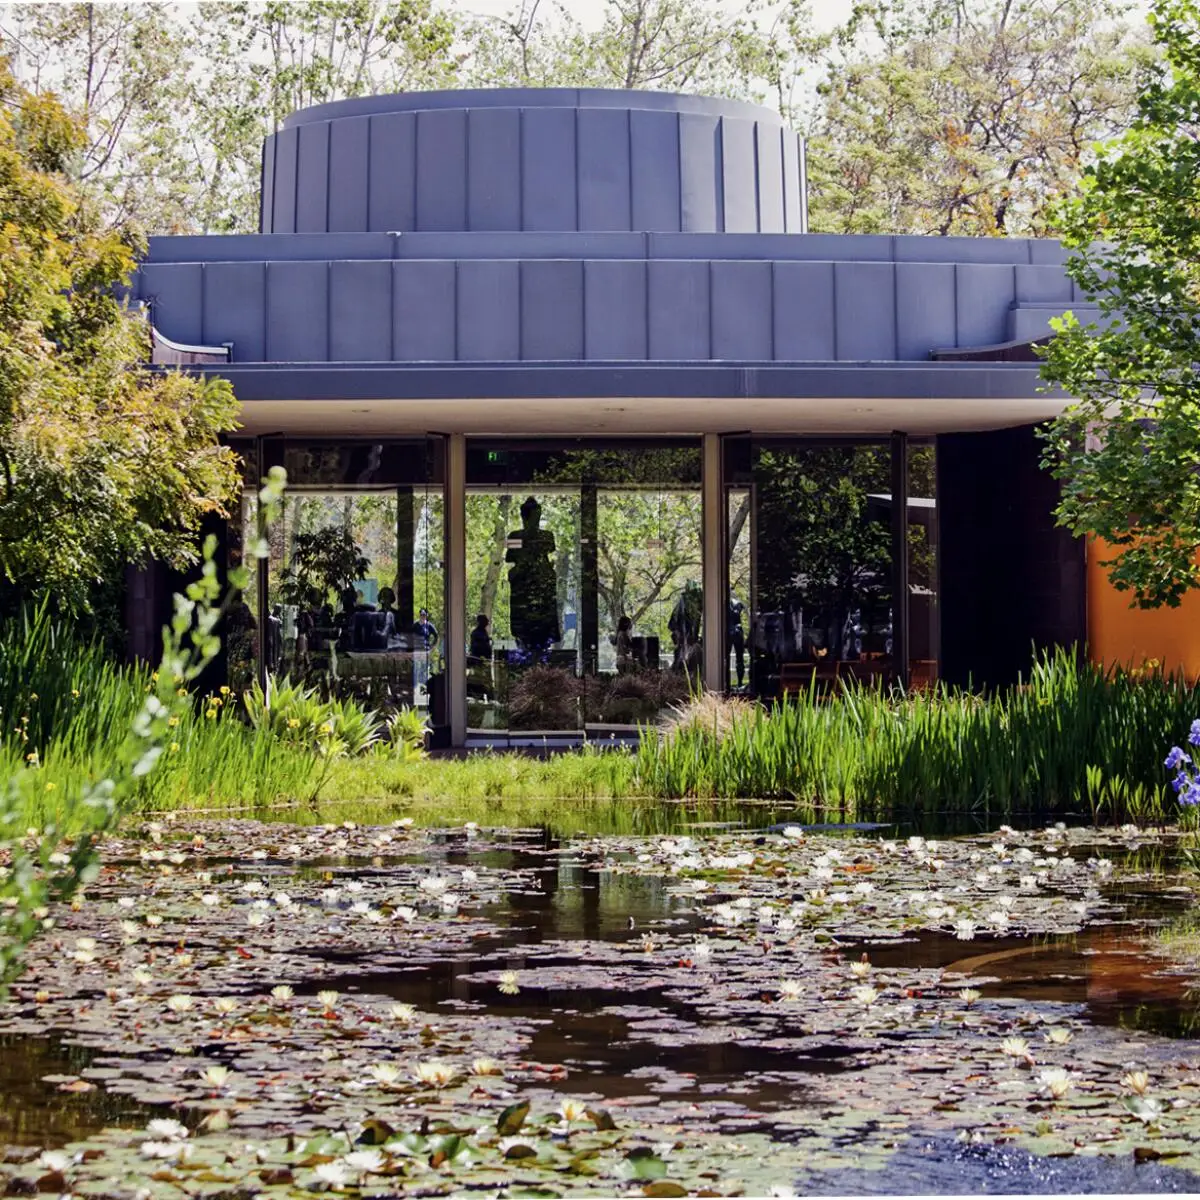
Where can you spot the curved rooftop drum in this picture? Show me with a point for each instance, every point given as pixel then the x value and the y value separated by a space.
pixel 534 160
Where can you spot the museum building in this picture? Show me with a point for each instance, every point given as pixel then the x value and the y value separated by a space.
pixel 576 415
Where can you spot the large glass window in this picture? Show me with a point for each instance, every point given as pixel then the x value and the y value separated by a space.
pixel 924 643
pixel 820 546
pixel 584 598
pixel 354 601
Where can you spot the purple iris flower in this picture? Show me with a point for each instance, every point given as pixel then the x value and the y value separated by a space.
pixel 1194 733
pixel 1176 757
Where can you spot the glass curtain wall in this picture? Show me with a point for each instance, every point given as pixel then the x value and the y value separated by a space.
pixel 813 568
pixel 354 599
pixel 584 599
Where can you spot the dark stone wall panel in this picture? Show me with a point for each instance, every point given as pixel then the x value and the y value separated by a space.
pixel 792 185
pixel 804 320
pixel 614 309
pixel 701 199
pixel 234 308
pixel 442 170
pixel 925 312
pixel 653 141
pixel 424 311
pixel 349 149
pixel 266 194
pixel 865 311
pixel 984 293
pixel 494 169
pixel 679 312
pixel 283 211
pixel 739 175
pixel 549 169
pixel 391 173
pixel 551 311
pixel 1011 581
pixel 604 169
pixel 534 160
pixel 742 324
pixel 769 140
pixel 360 311
pixel 297 312
pixel 175 293
pixel 489 311
pixel 312 163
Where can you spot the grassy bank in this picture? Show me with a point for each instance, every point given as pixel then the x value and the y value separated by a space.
pixel 1072 740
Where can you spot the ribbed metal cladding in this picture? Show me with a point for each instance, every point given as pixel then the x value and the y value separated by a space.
pixel 516 160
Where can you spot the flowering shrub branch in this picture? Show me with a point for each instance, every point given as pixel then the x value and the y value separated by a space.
pixel 36 871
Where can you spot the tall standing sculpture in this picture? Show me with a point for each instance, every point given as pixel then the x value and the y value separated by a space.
pixel 533 600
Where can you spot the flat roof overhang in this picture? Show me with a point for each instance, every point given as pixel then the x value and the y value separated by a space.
pixel 636 398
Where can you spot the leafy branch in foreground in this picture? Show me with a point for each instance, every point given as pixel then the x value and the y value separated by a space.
pixel 37 871
pixel 1127 452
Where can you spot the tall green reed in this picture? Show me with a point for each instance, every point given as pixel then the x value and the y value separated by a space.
pixel 868 753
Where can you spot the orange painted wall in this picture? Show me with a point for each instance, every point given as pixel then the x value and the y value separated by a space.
pixel 1123 635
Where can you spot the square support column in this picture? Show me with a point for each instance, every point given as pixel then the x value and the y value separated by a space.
pixel 715 568
pixel 900 582
pixel 456 587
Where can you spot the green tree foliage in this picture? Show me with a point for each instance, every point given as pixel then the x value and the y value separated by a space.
pixel 1128 451
pixel 102 461
pixel 968 118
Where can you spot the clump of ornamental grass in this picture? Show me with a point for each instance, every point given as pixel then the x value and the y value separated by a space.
pixel 707 713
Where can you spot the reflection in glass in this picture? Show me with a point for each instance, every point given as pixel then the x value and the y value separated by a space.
pixel 588 614
pixel 823 566
pixel 923 622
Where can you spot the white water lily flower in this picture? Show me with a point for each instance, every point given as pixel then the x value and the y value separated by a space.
pixel 964 930
pixel 1138 1082
pixel 360 908
pixel 702 951
pixel 1016 1047
pixel 384 1074
pixel 165 1127
pixel 860 969
pixel 572 1110
pixel 1057 1082
pixel 508 983
pixel 210 899
pixel 449 900
pixel 916 844
pixel 969 995
pixel 331 895
pixel 469 876
pixel 180 1003
pixel 154 920
pixel 364 1161
pixel 792 831
pixel 163 1150
pixel 866 995
pixel 434 1073
pixel 217 1076
pixel 1058 1035
pixel 486 1066
pixel 507 1144
pixel 1028 883
pixel 790 989
pixel 404 913
pixel 143 976
pixel 127 902
pixel 282 992
pixel 785 925
pixel 998 919
pixel 258 855
pixel 864 888
pixel 331 1173
pixel 434 884
pixel 282 899
pixel 1006 902
pixel 824 874
pixel 403 1013
pixel 54 1160
pixel 255 919
pixel 253 886
pixel 328 999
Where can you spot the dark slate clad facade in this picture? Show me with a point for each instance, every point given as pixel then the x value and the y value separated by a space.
pixel 529 252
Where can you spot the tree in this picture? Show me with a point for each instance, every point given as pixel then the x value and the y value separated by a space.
pixel 1127 452
pixel 706 46
pixel 970 119
pixel 118 68
pixel 262 61
pixel 102 460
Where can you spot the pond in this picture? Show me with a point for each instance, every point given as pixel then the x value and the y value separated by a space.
pixel 716 1010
